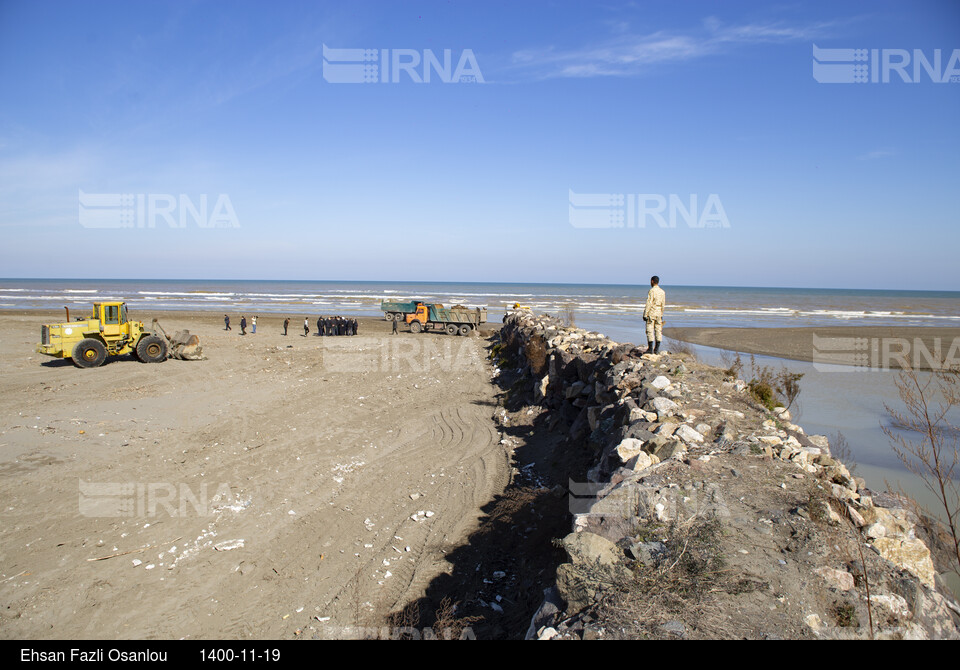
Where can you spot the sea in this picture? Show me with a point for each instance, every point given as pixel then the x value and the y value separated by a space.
pixel 846 401
pixel 617 307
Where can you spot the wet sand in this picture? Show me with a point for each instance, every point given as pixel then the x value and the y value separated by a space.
pixel 861 346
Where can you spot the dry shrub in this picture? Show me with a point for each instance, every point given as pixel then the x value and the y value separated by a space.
pixel 840 450
pixel 448 626
pixel 773 388
pixel 405 619
pixel 680 587
pixel 536 352
pixel 733 364
pixel 927 443
pixel 513 500
pixel 683 349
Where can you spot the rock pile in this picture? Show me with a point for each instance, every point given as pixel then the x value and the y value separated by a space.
pixel 675 441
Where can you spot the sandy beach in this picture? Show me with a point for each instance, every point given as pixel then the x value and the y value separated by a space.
pixel 878 346
pixel 283 485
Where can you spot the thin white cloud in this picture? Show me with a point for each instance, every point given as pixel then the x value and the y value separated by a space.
pixel 876 154
pixel 625 54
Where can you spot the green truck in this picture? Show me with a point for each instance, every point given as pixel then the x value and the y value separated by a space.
pixel 456 320
pixel 396 311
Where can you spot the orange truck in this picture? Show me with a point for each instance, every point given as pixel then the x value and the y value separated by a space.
pixel 456 320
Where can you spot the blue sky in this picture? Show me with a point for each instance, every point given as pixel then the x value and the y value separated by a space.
pixel 822 185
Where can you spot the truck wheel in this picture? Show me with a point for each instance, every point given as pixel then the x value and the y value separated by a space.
pixel 416 327
pixel 390 316
pixel 464 329
pixel 151 349
pixel 451 329
pixel 89 353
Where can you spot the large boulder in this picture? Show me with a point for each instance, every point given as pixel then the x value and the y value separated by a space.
pixel 663 406
pixel 910 554
pixel 590 549
pixel 628 449
pixel 688 434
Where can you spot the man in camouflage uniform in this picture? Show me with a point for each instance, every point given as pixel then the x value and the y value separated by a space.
pixel 653 315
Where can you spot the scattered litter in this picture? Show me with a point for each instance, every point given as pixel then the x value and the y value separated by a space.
pixel 132 551
pixel 227 545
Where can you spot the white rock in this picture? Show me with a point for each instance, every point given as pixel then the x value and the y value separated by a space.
pixel 642 461
pixel 688 434
pixel 664 406
pixel 782 413
pixel 895 604
pixel 660 382
pixel 547 634
pixel 227 545
pixel 629 448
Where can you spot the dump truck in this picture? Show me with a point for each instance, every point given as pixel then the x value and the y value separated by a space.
pixel 108 332
pixel 456 320
pixel 397 311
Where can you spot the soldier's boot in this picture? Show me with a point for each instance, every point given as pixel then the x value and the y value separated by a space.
pixel 649 347
pixel 656 349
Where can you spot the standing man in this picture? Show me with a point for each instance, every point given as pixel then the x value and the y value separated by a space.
pixel 653 315
pixel 306 327
pixel 253 322
pixel 286 324
pixel 395 325
pixel 226 322
pixel 243 325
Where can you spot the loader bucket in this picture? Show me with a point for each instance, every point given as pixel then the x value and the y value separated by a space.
pixel 185 346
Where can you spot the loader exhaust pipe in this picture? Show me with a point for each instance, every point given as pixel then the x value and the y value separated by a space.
pixel 68 313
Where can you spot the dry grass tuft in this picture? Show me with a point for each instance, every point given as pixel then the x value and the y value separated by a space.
pixel 679 588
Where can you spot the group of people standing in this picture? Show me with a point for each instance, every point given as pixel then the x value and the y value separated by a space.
pixel 332 325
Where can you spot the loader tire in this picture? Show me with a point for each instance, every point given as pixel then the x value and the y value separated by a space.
pixel 89 353
pixel 151 349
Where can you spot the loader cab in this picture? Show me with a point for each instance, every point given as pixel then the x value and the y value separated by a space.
pixel 113 318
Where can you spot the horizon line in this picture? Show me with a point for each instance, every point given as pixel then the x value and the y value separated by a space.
pixel 528 283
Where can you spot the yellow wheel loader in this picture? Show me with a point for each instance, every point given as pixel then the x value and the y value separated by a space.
pixel 107 332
